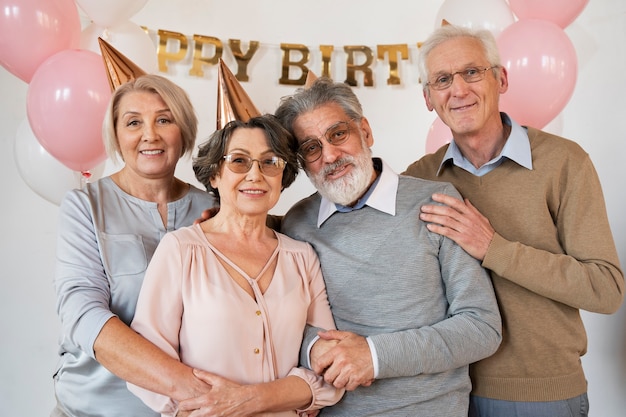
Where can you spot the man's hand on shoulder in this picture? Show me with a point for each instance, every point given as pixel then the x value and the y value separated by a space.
pixel 207 214
pixel 460 221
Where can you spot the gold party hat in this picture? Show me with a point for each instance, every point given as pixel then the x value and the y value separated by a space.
pixel 232 101
pixel 310 79
pixel 118 67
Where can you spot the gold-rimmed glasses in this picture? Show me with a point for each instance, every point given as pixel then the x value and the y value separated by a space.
pixel 337 134
pixel 240 163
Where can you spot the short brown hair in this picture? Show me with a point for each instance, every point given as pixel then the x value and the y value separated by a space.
pixel 211 153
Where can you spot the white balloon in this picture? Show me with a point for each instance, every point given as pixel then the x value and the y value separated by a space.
pixel 128 38
pixel 45 175
pixel 110 12
pixel 493 15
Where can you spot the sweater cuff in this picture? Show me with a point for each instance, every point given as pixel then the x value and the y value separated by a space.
pixel 497 257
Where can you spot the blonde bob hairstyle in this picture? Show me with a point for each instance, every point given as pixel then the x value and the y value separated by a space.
pixel 172 95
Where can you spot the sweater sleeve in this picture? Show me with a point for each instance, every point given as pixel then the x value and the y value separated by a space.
pixel 586 274
pixel 470 330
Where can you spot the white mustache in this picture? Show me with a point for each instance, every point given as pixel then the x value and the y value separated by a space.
pixel 329 169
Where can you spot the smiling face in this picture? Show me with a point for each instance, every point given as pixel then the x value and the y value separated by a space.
pixel 149 139
pixel 343 173
pixel 252 192
pixel 467 108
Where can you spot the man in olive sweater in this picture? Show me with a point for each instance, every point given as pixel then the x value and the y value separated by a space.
pixel 533 213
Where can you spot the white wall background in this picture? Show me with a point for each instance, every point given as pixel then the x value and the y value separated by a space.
pixel 594 117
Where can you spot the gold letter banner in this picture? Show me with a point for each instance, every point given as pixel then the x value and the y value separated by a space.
pixel 174 48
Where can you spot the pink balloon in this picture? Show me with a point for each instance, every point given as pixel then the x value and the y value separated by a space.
pixel 542 67
pixel 33 30
pixel 559 12
pixel 65 104
pixel 439 134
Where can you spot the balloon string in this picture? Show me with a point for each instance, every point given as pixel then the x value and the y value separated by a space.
pixel 84 178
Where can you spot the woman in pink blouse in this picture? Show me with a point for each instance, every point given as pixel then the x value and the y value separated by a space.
pixel 230 296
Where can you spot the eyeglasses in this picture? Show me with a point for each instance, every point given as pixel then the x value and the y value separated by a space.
pixel 469 75
pixel 311 149
pixel 240 164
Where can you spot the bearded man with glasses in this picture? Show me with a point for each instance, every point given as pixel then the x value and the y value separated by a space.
pixel 412 309
pixel 533 214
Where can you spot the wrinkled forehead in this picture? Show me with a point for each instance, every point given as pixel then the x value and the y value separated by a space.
pixel 455 55
pixel 316 122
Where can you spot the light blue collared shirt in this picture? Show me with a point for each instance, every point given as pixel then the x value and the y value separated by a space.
pixel 380 196
pixel 516 148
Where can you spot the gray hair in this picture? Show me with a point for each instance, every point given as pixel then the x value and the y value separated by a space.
pixel 323 91
pixel 211 153
pixel 447 32
pixel 172 95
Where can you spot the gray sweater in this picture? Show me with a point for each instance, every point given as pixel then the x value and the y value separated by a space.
pixel 428 307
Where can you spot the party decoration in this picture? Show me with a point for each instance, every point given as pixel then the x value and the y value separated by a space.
pixel 242 59
pixel 542 70
pixel 233 103
pixel 164 55
pixel 200 59
pixel 110 12
pixel 438 135
pixel 559 12
pixel 310 79
pixel 128 38
pixel 326 51
pixel 119 69
pixel 365 67
pixel 31 31
pixel 176 49
pixel 288 62
pixel 45 175
pixel 492 15
pixel 392 51
pixel 65 103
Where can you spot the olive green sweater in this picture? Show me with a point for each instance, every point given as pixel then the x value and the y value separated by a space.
pixel 553 253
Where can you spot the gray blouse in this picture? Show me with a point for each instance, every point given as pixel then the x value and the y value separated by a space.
pixel 106 238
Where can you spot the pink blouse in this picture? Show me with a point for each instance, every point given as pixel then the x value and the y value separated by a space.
pixel 192 309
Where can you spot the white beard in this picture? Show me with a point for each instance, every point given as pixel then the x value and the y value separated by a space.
pixel 350 187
